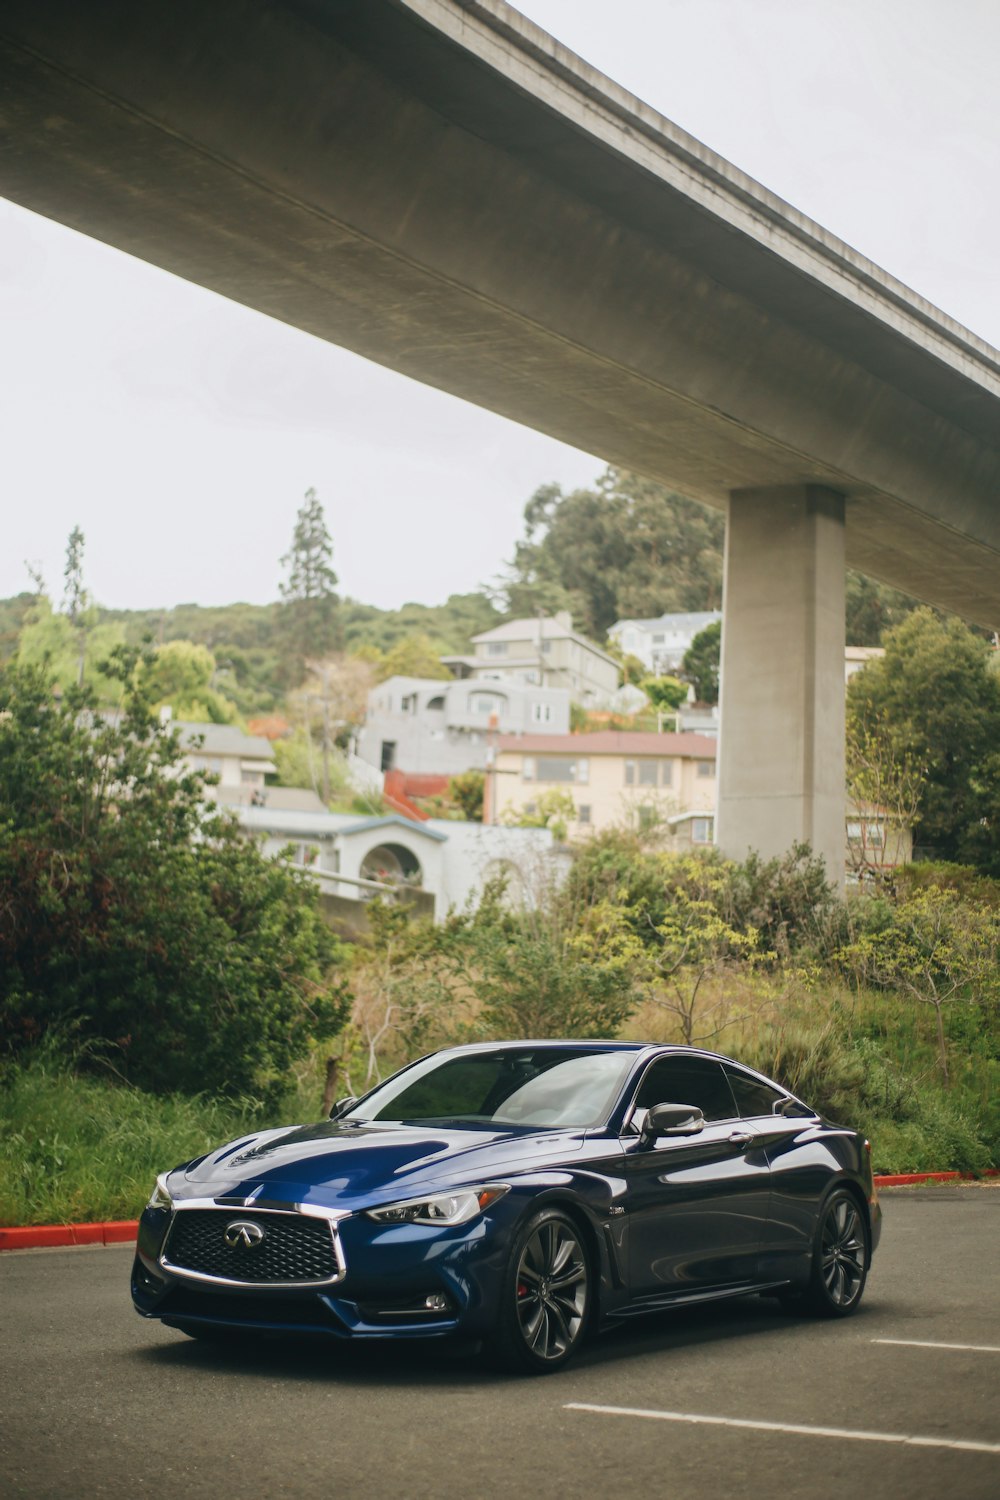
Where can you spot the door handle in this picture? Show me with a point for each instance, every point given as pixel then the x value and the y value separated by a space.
pixel 741 1138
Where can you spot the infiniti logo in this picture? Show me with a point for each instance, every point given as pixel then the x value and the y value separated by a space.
pixel 242 1233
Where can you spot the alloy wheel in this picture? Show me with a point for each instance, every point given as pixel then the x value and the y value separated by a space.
pixel 551 1290
pixel 843 1252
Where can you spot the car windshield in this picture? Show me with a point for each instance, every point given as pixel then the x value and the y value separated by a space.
pixel 550 1087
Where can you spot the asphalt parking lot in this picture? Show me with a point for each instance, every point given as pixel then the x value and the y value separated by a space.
pixel 723 1401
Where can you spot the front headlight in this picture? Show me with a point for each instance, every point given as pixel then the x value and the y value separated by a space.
pixel 160 1197
pixel 443 1208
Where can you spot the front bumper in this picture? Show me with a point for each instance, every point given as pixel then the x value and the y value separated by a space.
pixel 391 1280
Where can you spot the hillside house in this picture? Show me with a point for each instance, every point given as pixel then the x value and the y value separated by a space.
pixel 613 778
pixel 542 652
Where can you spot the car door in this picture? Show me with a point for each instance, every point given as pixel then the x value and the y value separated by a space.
pixel 697 1204
pixel 799 1164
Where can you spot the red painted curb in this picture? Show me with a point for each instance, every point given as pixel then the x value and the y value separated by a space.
pixel 36 1236
pixel 907 1179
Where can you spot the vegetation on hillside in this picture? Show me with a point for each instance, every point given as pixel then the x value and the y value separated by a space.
pixel 133 915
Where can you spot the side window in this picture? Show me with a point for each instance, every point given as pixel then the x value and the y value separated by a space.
pixel 688 1080
pixel 752 1096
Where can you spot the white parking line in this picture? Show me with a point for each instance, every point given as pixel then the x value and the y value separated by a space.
pixel 906 1439
pixel 932 1344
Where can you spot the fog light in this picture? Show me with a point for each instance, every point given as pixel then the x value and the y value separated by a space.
pixel 436 1302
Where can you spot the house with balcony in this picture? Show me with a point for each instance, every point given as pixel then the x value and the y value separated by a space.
pixel 614 778
pixel 429 727
pixel 542 652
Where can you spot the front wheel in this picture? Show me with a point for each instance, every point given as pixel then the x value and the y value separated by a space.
pixel 546 1294
pixel 840 1259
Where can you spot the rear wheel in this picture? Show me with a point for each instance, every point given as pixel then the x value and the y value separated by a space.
pixel 840 1259
pixel 545 1301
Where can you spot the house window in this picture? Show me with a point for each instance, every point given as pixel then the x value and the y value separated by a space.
pixel 211 763
pixel 541 713
pixel 558 768
pixel 496 648
pixel 546 647
pixel 658 640
pixel 583 813
pixel 643 773
pixel 667 773
pixel 870 834
pixel 388 755
pixel 251 778
pixel 701 830
pixel 488 703
pixel 437 702
pixel 706 768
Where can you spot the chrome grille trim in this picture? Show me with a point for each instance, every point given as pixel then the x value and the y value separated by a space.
pixel 230 1210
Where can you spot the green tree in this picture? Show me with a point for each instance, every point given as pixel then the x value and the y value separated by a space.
pixel 180 675
pixel 413 656
pixel 541 971
pixel 76 599
pixel 467 789
pixel 133 914
pixel 626 548
pixel 873 608
pixel 49 641
pixel 554 809
pixel 313 625
pixel 934 700
pixel 701 662
pixel 665 693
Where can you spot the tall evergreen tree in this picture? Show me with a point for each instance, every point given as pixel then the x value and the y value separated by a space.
pixel 313 625
pixel 76 601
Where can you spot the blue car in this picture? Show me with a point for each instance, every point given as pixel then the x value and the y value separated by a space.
pixel 517 1193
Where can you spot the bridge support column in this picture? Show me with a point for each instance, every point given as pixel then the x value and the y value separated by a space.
pixel 781 739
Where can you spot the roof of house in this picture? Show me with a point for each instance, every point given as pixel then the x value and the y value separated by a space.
pixel 534 629
pixel 611 742
pixel 693 620
pixel 363 824
pixel 224 739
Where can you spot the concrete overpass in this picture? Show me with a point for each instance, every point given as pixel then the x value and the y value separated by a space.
pixel 440 186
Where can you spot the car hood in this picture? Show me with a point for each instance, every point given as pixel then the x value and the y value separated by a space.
pixel 337 1164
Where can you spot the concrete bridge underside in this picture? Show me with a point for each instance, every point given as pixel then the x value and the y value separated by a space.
pixel 441 187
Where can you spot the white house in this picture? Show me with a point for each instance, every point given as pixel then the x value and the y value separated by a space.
pixel 429 727
pixel 662 644
pixel 449 862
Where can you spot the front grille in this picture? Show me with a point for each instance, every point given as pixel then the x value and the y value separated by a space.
pixel 294 1247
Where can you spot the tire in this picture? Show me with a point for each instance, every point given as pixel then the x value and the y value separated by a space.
pixel 840 1259
pixel 546 1296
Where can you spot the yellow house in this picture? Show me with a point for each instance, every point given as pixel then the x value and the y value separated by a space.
pixel 613 778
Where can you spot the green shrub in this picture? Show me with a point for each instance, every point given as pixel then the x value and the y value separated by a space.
pixel 76 1147
pixel 131 914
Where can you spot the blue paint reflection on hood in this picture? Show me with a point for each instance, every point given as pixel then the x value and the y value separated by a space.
pixel 333 1162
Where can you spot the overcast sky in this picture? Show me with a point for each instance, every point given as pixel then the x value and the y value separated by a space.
pixel 180 430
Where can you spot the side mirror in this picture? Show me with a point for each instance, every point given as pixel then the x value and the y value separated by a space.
pixel 671 1119
pixel 342 1106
